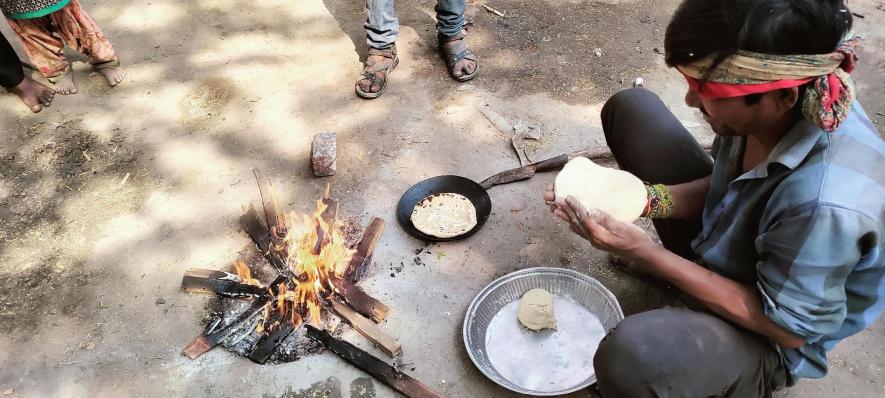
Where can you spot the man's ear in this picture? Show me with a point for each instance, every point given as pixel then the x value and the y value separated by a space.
pixel 787 98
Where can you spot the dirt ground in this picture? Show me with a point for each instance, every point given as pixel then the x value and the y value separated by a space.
pixel 109 195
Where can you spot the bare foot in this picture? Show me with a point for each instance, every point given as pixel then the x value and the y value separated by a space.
pixel 114 75
pixel 65 86
pixel 34 94
pixel 462 67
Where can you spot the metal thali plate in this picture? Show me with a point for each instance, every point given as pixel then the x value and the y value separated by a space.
pixel 547 362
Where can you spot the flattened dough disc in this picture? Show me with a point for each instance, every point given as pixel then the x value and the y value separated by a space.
pixel 444 215
pixel 613 191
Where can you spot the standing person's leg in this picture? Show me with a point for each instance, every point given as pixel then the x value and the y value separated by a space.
pixel 13 79
pixel 45 51
pixel 80 32
pixel 382 29
pixel 459 59
pixel 675 352
pixel 382 25
pixel 647 140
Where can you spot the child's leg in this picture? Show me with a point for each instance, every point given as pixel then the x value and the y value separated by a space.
pixel 80 32
pixel 45 50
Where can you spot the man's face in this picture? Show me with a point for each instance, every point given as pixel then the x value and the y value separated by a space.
pixel 733 117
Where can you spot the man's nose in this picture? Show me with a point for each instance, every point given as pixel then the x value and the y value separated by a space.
pixel 692 99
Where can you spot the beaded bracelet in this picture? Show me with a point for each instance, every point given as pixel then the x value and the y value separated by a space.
pixel 660 202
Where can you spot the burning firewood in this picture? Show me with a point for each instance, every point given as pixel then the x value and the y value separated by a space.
pixel 252 225
pixel 367 328
pixel 379 369
pixel 213 335
pixel 359 263
pixel 221 283
pixel 268 200
pixel 360 301
pixel 314 267
pixel 281 325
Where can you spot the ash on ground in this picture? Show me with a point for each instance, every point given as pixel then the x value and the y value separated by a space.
pixel 243 340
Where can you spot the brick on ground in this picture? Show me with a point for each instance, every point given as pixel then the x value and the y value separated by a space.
pixel 323 152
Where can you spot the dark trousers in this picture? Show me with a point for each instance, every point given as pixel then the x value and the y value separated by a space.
pixel 10 66
pixel 674 352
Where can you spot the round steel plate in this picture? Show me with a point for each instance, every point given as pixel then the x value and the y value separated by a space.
pixel 548 362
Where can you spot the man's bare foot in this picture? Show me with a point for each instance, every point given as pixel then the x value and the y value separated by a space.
pixel 66 85
pixel 464 66
pixel 114 75
pixel 34 94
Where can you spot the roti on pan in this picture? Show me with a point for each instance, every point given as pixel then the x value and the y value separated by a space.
pixel 444 215
pixel 616 192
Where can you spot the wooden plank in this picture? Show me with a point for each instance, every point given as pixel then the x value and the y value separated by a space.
pixel 359 263
pixel 253 227
pixel 367 328
pixel 218 282
pixel 268 200
pixel 379 369
pixel 267 343
pixel 360 301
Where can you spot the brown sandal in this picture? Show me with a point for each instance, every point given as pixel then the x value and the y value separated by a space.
pixel 457 53
pixel 370 72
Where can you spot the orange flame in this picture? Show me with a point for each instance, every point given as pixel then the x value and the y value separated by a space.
pixel 315 251
pixel 245 274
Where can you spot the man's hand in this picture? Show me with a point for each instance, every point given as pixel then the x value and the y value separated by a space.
pixel 602 230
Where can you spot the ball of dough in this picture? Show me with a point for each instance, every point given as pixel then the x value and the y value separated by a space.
pixel 616 192
pixel 536 310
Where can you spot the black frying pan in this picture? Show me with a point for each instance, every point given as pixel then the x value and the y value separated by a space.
pixel 443 184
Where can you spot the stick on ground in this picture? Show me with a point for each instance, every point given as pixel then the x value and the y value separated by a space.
pixel 379 369
pixel 367 328
pixel 268 200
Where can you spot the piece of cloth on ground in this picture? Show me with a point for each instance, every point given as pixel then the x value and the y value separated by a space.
pixel 11 73
pixel 44 39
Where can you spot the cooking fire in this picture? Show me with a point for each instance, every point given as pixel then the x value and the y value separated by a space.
pixel 315 276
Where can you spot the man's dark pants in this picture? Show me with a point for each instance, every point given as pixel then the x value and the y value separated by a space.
pixel 674 352
pixel 11 73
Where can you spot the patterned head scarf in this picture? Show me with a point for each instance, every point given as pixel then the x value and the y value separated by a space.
pixel 827 99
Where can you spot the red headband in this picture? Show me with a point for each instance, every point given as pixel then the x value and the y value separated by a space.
pixel 713 90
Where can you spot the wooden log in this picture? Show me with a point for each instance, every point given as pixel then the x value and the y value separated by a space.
pixel 218 282
pixel 379 369
pixel 359 263
pixel 267 343
pixel 268 200
pixel 367 328
pixel 253 227
pixel 360 301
